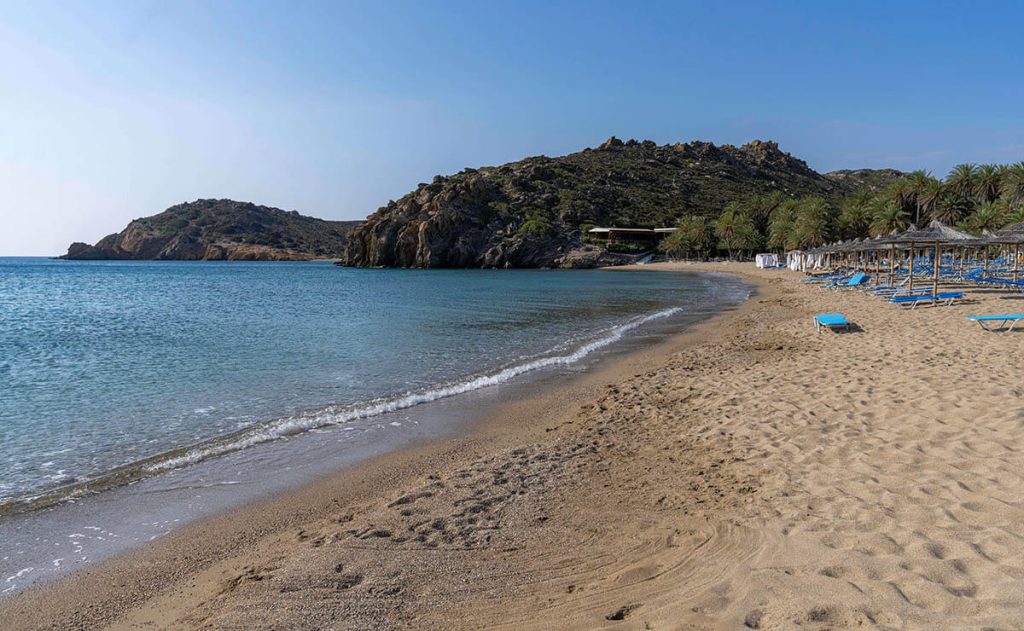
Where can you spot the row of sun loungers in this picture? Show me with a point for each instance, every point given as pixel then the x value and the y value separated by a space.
pixel 1004 323
pixel 901 295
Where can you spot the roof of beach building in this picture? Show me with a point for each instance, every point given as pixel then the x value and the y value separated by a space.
pixel 632 230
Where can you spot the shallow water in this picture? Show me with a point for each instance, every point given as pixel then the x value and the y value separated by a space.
pixel 107 363
pixel 242 379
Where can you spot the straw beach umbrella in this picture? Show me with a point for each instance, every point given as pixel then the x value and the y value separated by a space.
pixel 1010 235
pixel 935 235
pixel 875 246
pixel 888 243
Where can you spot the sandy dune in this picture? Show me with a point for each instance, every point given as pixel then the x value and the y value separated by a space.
pixel 760 475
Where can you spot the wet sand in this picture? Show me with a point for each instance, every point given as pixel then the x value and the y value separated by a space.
pixel 750 473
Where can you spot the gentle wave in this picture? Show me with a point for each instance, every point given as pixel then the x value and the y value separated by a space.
pixel 335 416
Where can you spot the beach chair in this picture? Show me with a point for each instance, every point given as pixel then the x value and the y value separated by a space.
pixel 985 320
pixel 912 301
pixel 949 297
pixel 878 290
pixel 944 299
pixel 824 278
pixel 853 281
pixel 830 321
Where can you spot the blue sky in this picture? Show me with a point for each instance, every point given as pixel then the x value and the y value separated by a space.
pixel 115 110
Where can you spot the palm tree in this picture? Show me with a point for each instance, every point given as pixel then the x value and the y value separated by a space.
pixel 888 217
pixel 923 191
pixel 811 224
pixel 780 225
pixel 761 207
pixel 726 226
pixel 855 215
pixel 901 192
pixel 1016 215
pixel 951 207
pixel 961 179
pixel 735 229
pixel 692 236
pixel 1012 186
pixel 987 216
pixel 987 183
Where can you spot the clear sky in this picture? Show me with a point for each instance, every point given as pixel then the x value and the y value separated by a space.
pixel 112 110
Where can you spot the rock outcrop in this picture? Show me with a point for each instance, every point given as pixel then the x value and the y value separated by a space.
pixel 530 213
pixel 221 229
pixel 873 180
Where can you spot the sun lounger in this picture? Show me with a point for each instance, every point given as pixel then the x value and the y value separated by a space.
pixel 1005 282
pixel 945 299
pixel 853 281
pixel 831 321
pixel 949 297
pixel 1009 318
pixel 823 278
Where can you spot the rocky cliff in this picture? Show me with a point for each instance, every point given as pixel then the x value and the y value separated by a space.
pixel 221 229
pixel 530 213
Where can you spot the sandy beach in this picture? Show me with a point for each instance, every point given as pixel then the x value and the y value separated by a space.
pixel 749 473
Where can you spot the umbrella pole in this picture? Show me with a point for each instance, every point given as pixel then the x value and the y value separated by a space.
pixel 892 262
pixel 911 270
pixel 935 269
pixel 1016 255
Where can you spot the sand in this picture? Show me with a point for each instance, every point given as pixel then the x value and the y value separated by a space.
pixel 749 474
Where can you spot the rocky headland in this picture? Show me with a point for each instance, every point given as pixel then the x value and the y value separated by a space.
pixel 532 213
pixel 220 229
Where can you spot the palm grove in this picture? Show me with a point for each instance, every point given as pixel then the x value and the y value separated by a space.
pixel 972 197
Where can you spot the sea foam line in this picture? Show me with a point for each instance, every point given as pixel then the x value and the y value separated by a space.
pixel 336 416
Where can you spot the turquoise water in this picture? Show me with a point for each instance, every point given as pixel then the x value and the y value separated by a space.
pixel 106 363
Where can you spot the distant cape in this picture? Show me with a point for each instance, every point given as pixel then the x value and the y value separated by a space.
pixel 221 229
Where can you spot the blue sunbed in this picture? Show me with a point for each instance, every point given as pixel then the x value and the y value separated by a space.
pixel 1011 318
pixel 823 278
pixel 831 321
pixel 855 280
pixel 944 298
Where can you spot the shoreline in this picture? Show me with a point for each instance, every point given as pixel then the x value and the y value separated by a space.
pixel 328 416
pixel 484 430
pixel 748 473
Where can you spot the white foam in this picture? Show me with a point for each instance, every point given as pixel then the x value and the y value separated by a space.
pixel 19 574
pixel 340 416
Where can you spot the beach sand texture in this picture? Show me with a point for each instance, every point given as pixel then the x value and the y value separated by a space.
pixel 753 474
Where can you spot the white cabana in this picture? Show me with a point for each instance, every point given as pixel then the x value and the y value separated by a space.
pixel 766 260
pixel 803 261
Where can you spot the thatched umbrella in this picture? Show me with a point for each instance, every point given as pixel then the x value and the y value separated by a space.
pixel 876 245
pixel 936 235
pixel 888 242
pixel 855 247
pixel 1010 235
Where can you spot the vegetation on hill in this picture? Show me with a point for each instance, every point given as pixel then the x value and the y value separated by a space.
pixel 972 197
pixel 216 229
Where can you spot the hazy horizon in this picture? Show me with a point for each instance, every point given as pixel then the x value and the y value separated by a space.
pixel 119 110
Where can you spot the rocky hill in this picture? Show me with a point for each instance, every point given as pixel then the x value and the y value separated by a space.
pixel 529 213
pixel 221 229
pixel 873 180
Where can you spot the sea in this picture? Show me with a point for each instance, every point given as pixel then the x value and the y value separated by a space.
pixel 138 396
